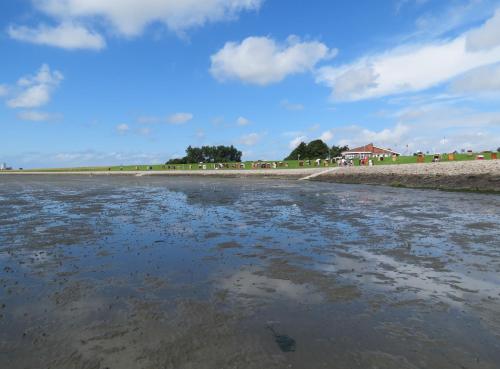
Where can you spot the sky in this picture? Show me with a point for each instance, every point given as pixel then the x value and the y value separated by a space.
pixel 91 82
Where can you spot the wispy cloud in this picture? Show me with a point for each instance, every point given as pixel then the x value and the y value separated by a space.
pixel 35 91
pixel 250 139
pixel 180 118
pixel 66 35
pixel 242 121
pixel 84 158
pixel 414 67
pixel 122 128
pixel 291 106
pixel 38 116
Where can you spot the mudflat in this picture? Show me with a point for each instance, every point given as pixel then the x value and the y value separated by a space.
pixel 160 272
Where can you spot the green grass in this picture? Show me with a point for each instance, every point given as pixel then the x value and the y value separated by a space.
pixel 292 164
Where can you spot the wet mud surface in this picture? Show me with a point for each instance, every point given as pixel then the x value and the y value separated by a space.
pixel 124 272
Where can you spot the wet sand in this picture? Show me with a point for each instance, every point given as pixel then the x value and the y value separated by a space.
pixel 158 272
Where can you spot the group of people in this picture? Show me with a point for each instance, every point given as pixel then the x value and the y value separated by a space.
pixel 350 162
pixel 346 163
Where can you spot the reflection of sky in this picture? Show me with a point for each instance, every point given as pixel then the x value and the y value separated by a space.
pixel 423 282
pixel 249 285
pixel 115 213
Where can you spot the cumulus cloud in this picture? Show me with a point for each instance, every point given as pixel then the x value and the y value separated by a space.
pixel 124 17
pixel 122 128
pixel 483 79
pixel 180 118
pixel 250 139
pixel 485 37
pixel 66 35
pixel 262 61
pixel 242 121
pixel 37 116
pixel 35 91
pixel 409 68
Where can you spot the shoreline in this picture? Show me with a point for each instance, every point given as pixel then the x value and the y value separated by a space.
pixel 474 176
pixel 229 173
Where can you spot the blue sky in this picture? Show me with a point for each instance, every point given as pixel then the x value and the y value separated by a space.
pixel 87 82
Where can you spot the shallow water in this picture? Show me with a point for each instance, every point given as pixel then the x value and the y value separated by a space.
pixel 227 273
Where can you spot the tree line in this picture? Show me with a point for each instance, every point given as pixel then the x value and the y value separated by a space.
pixel 316 149
pixel 209 154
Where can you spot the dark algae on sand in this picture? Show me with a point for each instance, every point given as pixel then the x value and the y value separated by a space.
pixel 285 343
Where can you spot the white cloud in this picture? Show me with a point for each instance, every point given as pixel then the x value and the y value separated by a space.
pixel 37 116
pixel 485 37
pixel 408 68
pixel 296 141
pixel 35 91
pixel 483 79
pixel 291 106
pixel 122 128
pixel 180 118
pixel 434 128
pixel 66 35
pixel 326 136
pixel 453 16
pixel 250 139
pixel 353 80
pixel 242 121
pixel 84 158
pixel 130 17
pixel 262 61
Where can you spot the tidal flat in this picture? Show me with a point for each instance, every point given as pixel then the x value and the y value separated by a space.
pixel 172 272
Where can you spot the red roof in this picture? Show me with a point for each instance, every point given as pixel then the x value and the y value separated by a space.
pixel 371 149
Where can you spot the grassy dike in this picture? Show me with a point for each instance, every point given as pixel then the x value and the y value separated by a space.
pixel 291 164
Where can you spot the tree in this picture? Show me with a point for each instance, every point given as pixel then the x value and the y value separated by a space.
pixel 337 151
pixel 300 152
pixel 317 149
pixel 209 154
pixel 498 149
